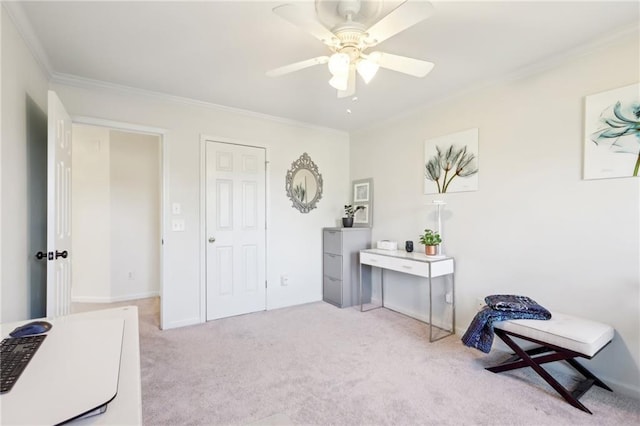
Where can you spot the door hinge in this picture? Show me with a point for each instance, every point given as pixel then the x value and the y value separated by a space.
pixel 265 284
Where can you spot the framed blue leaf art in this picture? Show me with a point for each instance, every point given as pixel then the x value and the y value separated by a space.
pixel 612 134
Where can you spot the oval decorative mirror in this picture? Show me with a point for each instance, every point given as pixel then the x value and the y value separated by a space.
pixel 304 184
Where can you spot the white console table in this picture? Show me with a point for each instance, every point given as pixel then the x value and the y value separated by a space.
pixel 417 264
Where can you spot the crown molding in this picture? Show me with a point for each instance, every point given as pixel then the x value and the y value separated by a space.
pixel 576 52
pixel 19 18
pixel 532 69
pixel 87 83
pixel 17 15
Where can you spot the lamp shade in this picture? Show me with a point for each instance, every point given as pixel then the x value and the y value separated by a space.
pixel 339 64
pixel 340 82
pixel 368 67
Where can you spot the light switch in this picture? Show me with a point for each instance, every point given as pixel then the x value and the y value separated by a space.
pixel 177 225
pixel 176 208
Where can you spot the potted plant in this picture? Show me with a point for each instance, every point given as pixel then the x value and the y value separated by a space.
pixel 430 239
pixel 349 213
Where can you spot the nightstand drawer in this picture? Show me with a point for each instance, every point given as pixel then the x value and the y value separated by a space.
pixel 332 265
pixel 332 290
pixel 332 242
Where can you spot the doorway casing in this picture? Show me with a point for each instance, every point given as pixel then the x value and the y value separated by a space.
pixel 160 133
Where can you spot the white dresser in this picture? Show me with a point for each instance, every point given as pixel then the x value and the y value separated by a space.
pixel 340 250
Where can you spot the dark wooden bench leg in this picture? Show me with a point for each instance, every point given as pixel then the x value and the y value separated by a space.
pixel 528 361
pixel 530 352
pixel 588 374
pixel 514 365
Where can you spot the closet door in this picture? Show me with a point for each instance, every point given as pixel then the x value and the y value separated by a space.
pixel 235 230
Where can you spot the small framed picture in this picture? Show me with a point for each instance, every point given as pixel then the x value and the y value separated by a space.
pixel 363 196
pixel 361 192
pixel 362 215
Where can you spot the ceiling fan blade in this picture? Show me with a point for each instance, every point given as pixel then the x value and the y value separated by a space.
pixel 307 20
pixel 351 85
pixel 406 15
pixel 406 65
pixel 297 66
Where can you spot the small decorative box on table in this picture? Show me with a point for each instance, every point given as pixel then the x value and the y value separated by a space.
pixel 387 245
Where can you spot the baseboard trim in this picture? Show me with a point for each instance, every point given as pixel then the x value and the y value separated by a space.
pixel 273 306
pixel 93 299
pixel 181 323
pixel 622 388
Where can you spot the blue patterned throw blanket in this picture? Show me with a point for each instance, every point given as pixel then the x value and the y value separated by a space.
pixel 500 307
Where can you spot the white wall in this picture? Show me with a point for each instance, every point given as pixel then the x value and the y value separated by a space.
pixel 90 214
pixel 292 237
pixel 534 227
pixel 21 78
pixel 135 215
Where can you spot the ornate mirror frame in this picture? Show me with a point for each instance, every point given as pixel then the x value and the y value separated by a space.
pixel 304 184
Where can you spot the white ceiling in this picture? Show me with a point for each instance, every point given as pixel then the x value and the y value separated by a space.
pixel 219 51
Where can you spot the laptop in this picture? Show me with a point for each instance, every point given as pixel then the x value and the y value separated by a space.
pixel 73 374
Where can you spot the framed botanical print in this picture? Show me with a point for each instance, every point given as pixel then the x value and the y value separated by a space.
pixel 451 163
pixel 612 133
pixel 363 196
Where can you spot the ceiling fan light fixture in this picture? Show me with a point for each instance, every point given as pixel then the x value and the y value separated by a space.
pixel 340 82
pixel 347 28
pixel 339 64
pixel 367 69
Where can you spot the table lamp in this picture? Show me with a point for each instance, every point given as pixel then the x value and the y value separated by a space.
pixel 439 204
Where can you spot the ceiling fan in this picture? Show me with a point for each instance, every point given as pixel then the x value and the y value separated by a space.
pixel 349 28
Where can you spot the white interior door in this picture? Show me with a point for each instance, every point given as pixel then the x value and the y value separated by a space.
pixel 235 229
pixel 58 208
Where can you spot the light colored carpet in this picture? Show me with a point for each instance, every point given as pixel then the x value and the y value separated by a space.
pixel 319 365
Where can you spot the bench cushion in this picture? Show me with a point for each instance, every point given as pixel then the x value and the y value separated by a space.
pixel 576 334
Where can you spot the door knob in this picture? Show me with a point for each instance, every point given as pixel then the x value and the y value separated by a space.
pixel 43 255
pixel 212 240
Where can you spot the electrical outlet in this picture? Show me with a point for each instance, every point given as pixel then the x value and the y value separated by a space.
pixel 448 297
pixel 284 280
pixel 131 275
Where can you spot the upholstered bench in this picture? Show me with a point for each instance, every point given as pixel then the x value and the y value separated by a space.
pixel 563 337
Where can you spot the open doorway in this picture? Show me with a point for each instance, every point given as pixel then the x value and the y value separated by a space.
pixel 37 207
pixel 116 216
